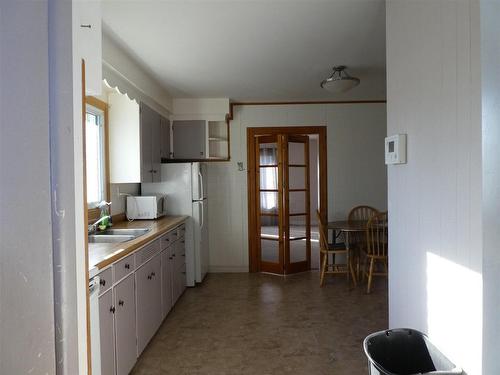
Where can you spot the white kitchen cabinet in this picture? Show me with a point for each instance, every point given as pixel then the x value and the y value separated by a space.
pixel 124 139
pixel 165 138
pixel 166 282
pixel 148 301
pixel 88 26
pixel 135 141
pixel 189 139
pixel 150 144
pixel 200 139
pixel 125 325
pixel 107 333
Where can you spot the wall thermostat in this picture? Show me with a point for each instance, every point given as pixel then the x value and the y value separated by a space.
pixel 395 149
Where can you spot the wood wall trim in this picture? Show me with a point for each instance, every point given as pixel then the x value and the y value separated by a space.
pixel 254 264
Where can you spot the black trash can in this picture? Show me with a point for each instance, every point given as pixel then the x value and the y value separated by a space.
pixel 405 351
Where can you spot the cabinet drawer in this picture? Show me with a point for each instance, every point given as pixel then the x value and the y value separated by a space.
pixel 147 252
pixel 123 267
pixel 165 241
pixel 106 280
pixel 182 231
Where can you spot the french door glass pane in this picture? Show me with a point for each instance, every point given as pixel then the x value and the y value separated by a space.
pixel 296 153
pixel 297 202
pixel 297 178
pixel 269 250
pixel 298 250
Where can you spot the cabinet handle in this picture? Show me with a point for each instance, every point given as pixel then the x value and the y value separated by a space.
pixel 149 277
pixel 201 153
pixel 184 255
pixel 154 171
pixel 102 282
pixel 183 272
pixel 170 258
pixel 153 274
pixel 120 302
pixel 127 266
pixel 88 26
pixel 112 309
pixel 183 241
pixel 173 255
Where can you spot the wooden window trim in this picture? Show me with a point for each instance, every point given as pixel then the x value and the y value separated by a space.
pixel 94 213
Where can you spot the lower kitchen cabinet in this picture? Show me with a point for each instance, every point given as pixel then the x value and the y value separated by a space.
pixel 124 304
pixel 148 301
pixel 166 282
pixel 107 333
pixel 133 307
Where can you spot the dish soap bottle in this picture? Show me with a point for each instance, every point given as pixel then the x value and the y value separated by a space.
pixel 105 217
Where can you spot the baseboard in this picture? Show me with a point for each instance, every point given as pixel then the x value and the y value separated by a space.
pixel 227 269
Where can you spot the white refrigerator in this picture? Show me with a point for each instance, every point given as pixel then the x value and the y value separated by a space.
pixel 185 185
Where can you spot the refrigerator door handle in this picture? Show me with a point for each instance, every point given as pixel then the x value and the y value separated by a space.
pixel 202 191
pixel 202 215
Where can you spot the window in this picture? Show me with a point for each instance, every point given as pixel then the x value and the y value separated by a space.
pixel 96 154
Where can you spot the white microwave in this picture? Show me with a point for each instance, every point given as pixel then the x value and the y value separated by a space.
pixel 146 207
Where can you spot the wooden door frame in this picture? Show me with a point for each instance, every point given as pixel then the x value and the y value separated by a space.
pixel 253 260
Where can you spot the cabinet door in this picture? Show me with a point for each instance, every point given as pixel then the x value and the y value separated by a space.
pixel 148 301
pixel 147 119
pixel 156 141
pixel 126 352
pixel 89 42
pixel 166 283
pixel 165 138
pixel 189 139
pixel 106 330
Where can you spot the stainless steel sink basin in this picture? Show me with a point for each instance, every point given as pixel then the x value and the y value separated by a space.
pixel 123 232
pixel 109 238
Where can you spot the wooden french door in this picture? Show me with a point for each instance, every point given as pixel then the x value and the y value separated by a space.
pixel 283 203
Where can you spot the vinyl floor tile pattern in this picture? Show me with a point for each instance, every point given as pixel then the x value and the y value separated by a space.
pixel 265 324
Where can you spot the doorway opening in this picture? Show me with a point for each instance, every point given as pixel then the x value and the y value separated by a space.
pixel 286 185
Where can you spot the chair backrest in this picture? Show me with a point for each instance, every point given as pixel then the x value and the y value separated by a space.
pixel 377 235
pixel 323 239
pixel 362 213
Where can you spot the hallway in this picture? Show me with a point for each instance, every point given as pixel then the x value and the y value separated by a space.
pixel 264 324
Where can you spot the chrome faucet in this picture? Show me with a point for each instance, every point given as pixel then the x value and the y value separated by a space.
pixel 92 227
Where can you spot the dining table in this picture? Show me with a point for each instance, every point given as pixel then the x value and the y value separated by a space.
pixel 347 228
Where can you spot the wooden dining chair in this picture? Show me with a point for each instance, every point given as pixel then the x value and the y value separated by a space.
pixel 326 250
pixel 376 248
pixel 357 240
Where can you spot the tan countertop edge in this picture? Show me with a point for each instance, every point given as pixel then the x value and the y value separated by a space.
pixel 116 251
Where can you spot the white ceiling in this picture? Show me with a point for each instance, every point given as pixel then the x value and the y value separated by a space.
pixel 272 50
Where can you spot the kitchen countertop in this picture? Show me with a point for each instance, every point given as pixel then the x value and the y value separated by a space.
pixel 103 254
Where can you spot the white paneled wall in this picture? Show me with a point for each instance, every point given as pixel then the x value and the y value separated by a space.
pixel 490 56
pixel 356 170
pixel 435 256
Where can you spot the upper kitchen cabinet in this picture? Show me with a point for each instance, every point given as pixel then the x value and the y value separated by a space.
pixel 88 42
pixel 150 126
pixel 136 140
pixel 165 151
pixel 200 130
pixel 189 139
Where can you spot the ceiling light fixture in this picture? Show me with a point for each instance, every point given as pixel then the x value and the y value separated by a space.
pixel 339 81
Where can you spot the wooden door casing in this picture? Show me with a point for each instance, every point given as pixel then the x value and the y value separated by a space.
pixel 253 192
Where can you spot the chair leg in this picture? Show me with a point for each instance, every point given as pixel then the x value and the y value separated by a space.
pixel 323 268
pixel 370 276
pixel 351 270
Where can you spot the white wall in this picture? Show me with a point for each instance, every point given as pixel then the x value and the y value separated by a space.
pixel 27 338
pixel 122 71
pixel 356 170
pixel 490 56
pixel 435 250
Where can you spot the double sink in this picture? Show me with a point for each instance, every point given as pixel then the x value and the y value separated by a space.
pixel 117 235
